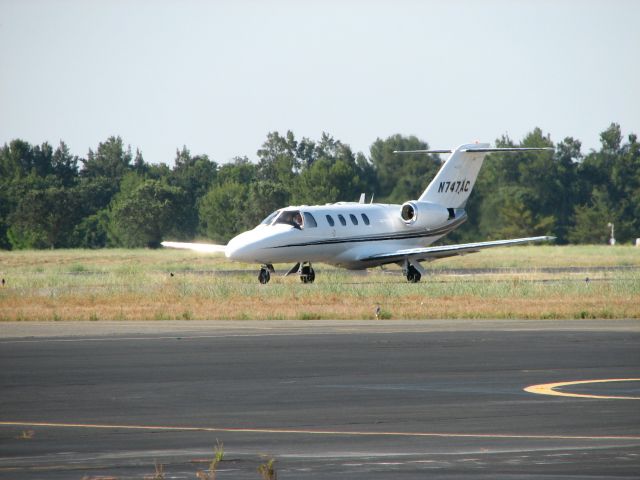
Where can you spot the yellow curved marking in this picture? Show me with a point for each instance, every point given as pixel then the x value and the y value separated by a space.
pixel 548 389
pixel 295 431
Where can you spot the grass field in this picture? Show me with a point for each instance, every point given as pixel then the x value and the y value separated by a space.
pixel 138 285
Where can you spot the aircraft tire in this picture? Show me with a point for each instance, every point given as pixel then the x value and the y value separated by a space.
pixel 413 275
pixel 307 275
pixel 264 276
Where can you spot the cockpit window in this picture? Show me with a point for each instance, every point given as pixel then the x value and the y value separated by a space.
pixel 309 221
pixel 290 217
pixel 269 219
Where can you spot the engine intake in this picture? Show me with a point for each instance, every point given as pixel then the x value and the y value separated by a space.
pixel 424 214
pixel 408 212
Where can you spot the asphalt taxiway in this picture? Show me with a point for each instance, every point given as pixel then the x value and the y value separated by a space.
pixel 388 399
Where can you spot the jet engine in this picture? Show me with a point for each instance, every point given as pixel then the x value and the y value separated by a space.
pixel 424 214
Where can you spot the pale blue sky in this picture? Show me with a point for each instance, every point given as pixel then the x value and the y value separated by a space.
pixel 216 76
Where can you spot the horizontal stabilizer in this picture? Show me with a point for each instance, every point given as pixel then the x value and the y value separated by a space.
pixel 481 150
pixel 432 253
pixel 509 149
pixel 422 151
pixel 196 247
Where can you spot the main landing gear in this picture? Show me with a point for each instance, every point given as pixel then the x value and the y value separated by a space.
pixel 412 270
pixel 413 275
pixel 307 275
pixel 305 270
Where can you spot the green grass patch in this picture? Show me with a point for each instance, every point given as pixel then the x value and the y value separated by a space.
pixel 137 285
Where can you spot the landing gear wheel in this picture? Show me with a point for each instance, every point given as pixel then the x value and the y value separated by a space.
pixel 413 275
pixel 307 275
pixel 264 276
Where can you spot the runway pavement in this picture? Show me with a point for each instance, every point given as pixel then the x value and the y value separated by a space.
pixel 414 399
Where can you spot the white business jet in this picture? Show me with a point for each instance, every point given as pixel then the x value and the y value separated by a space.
pixel 357 235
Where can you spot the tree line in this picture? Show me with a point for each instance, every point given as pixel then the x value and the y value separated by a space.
pixel 50 198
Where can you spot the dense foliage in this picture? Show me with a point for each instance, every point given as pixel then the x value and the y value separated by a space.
pixel 52 199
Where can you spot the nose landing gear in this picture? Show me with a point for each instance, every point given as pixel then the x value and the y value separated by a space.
pixel 264 276
pixel 307 274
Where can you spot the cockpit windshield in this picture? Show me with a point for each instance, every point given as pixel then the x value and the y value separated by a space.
pixel 290 217
pixel 269 219
pixel 295 218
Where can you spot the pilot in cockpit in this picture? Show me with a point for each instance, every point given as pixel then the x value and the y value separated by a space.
pixel 297 220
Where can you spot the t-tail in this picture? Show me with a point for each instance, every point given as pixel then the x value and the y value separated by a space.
pixel 455 180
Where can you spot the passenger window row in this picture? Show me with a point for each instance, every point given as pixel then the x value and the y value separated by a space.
pixel 343 221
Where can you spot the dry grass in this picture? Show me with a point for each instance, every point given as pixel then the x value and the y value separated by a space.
pixel 137 285
pixel 267 470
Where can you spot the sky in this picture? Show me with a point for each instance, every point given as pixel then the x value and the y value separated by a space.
pixel 217 76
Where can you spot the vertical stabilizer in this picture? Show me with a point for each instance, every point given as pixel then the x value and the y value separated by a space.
pixel 452 185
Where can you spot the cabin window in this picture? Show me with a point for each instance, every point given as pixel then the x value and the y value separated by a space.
pixel 342 220
pixel 269 219
pixel 365 219
pixel 353 219
pixel 330 220
pixel 309 221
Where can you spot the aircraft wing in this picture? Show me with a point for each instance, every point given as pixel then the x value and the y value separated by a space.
pixel 432 253
pixel 197 247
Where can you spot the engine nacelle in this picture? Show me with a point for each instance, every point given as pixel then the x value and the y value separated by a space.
pixel 424 214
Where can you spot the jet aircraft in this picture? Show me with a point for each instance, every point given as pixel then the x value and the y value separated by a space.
pixel 359 235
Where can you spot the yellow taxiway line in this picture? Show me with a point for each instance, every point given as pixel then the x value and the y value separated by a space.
pixel 316 432
pixel 549 389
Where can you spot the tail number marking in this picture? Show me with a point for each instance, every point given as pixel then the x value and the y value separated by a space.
pixel 458 186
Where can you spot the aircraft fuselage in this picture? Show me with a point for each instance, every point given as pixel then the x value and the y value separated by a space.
pixel 343 234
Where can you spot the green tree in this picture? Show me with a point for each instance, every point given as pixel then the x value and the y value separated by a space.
pixel 278 158
pixel 29 176
pixel 92 231
pixel 402 177
pixel 19 159
pixel 44 217
pixel 610 181
pixel 518 220
pixel 110 160
pixel 567 186
pixel 64 166
pixel 194 175
pixel 590 220
pixel 265 197
pixel 223 211
pixel 239 170
pixel 327 180
pixel 145 212
pixel 336 174
pixel 625 190
pixel 516 194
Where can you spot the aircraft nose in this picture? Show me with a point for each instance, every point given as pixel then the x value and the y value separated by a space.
pixel 238 248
